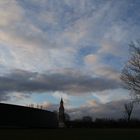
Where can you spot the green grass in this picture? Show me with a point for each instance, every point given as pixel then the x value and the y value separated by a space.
pixel 70 134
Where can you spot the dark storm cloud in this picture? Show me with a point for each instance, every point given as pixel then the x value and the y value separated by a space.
pixel 69 81
pixel 24 81
pixel 4 96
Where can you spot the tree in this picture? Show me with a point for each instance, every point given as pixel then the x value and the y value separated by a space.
pixel 128 110
pixel 131 72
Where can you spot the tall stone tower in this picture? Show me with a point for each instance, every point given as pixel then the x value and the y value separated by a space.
pixel 61 114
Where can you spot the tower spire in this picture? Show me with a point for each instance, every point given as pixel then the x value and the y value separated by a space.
pixel 61 114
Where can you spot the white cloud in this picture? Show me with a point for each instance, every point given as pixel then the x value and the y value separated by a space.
pixel 92 103
pixel 58 95
pixel 10 13
pixel 92 59
pixel 111 95
pixel 108 72
pixel 95 66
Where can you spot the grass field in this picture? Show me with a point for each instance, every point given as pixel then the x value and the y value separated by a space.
pixel 70 134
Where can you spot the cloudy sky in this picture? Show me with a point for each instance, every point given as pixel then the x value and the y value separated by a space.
pixel 73 49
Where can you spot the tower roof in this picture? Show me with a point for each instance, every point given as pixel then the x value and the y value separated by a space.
pixel 61 100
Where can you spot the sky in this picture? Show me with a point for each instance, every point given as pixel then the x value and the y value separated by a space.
pixel 74 49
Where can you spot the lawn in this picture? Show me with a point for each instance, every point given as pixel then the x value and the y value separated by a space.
pixel 70 134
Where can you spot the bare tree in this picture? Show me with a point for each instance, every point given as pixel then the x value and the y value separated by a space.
pixel 131 72
pixel 128 110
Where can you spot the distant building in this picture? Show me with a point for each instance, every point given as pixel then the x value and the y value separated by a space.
pixel 61 115
pixel 14 116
